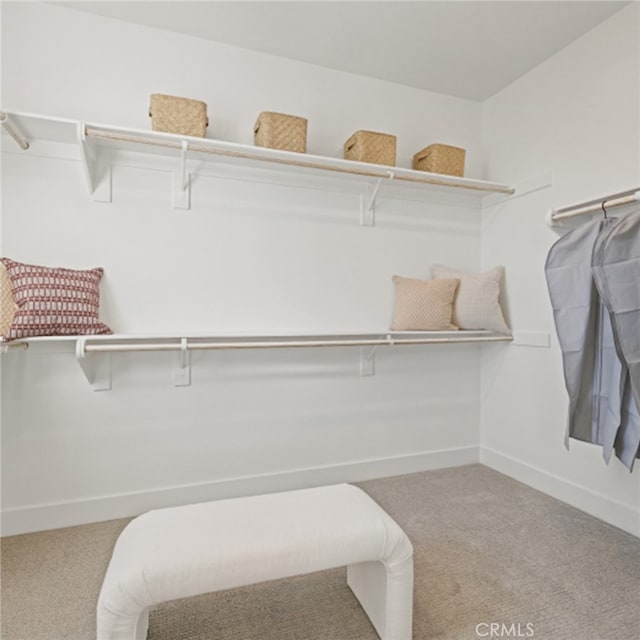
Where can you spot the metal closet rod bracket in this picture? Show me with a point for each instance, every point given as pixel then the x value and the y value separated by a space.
pixel 97 174
pixel 95 366
pixel 368 361
pixel 13 131
pixel 368 209
pixel 181 187
pixel 182 365
pixel 87 159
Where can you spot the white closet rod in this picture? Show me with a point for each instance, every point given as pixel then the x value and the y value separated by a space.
pixel 594 206
pixel 5 347
pixel 282 344
pixel 9 127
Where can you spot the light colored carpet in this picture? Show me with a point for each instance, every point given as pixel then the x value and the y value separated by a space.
pixel 487 550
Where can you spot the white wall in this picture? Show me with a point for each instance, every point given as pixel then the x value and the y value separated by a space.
pixel 249 256
pixel 104 70
pixel 578 116
pixel 257 421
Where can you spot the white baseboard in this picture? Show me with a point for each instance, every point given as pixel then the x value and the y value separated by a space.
pixel 618 514
pixel 74 512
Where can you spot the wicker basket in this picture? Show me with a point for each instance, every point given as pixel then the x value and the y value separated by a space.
pixel 178 115
pixel 370 146
pixel 440 158
pixel 280 131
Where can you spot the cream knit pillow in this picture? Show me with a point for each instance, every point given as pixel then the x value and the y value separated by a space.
pixel 477 300
pixel 7 302
pixel 423 305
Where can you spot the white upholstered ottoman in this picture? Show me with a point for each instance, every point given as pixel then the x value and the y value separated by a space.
pixel 190 550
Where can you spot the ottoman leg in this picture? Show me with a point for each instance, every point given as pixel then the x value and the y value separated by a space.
pixel 142 626
pixel 121 627
pixel 386 595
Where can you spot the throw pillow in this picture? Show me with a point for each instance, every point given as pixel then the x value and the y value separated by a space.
pixel 7 302
pixel 423 305
pixel 477 301
pixel 53 301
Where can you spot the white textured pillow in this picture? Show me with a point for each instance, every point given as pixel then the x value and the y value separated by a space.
pixel 477 301
pixel 423 305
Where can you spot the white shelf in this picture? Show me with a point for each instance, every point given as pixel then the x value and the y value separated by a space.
pixel 91 139
pixel 120 342
pixel 93 352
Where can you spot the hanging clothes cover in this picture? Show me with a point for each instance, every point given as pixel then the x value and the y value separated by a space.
pixel 616 271
pixel 575 303
pixel 595 375
pixel 622 438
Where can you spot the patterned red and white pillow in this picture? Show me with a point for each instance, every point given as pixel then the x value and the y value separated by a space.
pixel 53 301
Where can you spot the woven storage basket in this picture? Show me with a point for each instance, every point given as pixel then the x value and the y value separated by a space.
pixel 178 115
pixel 440 158
pixel 370 146
pixel 280 131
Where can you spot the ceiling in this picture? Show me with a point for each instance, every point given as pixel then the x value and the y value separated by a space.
pixel 469 49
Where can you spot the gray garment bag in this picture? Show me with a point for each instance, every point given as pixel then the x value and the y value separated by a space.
pixel 616 271
pixel 592 369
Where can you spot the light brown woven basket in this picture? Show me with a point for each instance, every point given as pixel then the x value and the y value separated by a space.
pixel 371 146
pixel 440 158
pixel 178 115
pixel 280 131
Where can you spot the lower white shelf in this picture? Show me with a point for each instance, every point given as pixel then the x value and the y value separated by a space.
pixel 93 352
pixel 118 342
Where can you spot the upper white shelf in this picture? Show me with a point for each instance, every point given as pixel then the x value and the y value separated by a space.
pixel 91 138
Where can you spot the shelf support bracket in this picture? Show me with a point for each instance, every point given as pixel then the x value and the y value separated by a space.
pixel 181 187
pixel 182 367
pixel 368 208
pixel 367 361
pixel 98 179
pixel 13 131
pixel 95 366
